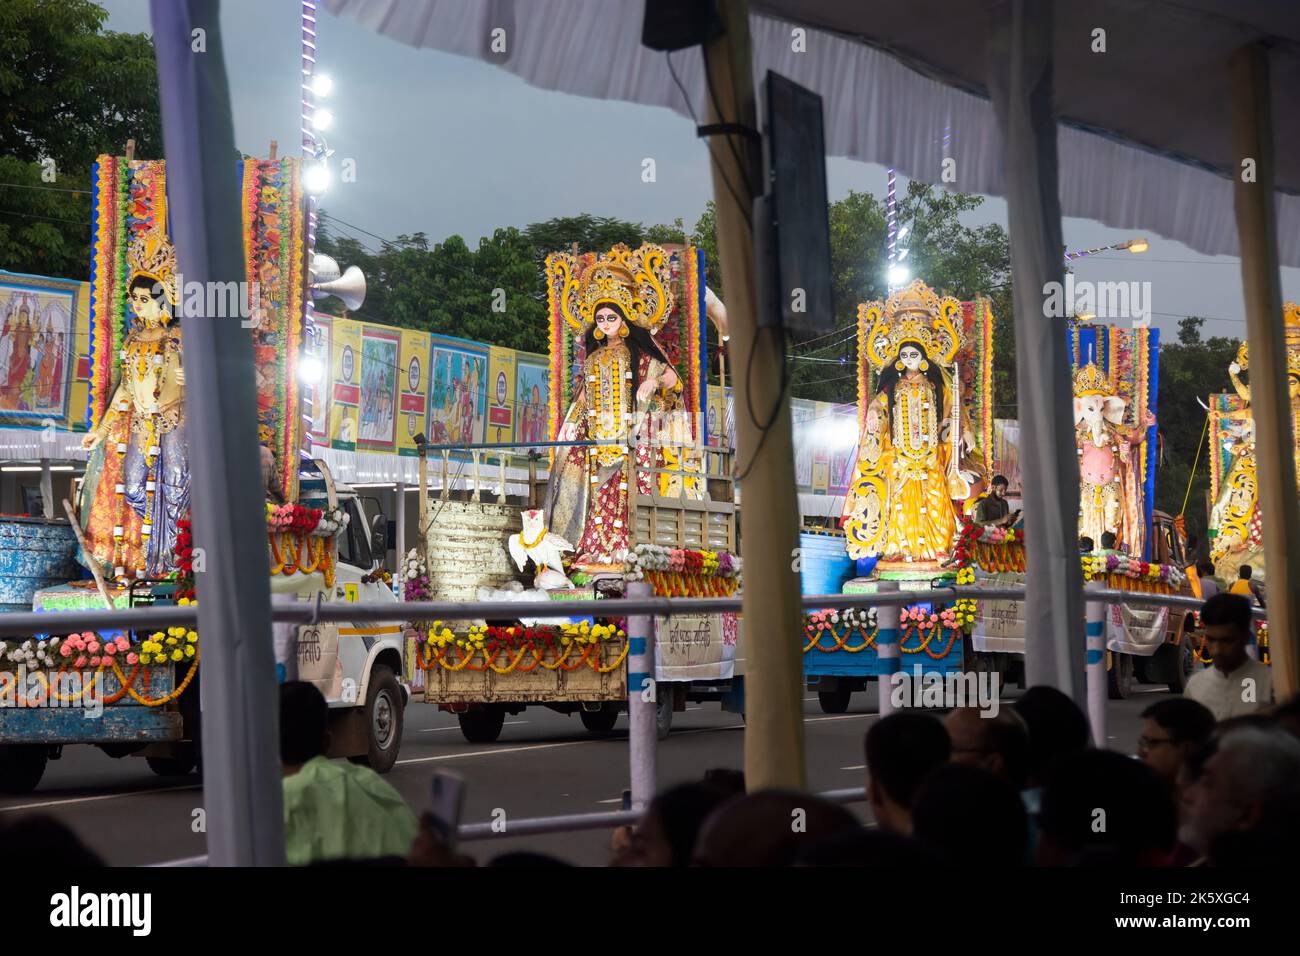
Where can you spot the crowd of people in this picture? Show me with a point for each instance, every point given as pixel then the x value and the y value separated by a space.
pixel 1216 781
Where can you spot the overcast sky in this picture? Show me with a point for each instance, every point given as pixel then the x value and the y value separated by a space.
pixel 447 145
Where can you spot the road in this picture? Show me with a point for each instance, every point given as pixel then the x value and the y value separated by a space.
pixel 544 764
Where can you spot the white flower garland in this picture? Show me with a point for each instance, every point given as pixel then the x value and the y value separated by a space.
pixel 332 521
pixel 31 652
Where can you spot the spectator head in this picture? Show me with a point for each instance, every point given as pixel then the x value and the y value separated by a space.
pixel 47 840
pixel 304 724
pixel 877 849
pixel 1108 541
pixel 759 829
pixel 999 485
pixel 1249 784
pixel 1086 544
pixel 971 816
pixel 667 832
pixel 1226 619
pixel 1287 715
pixel 1245 572
pixel 1205 568
pixel 1103 805
pixel 1057 728
pixel 725 778
pixel 1171 730
pixel 901 749
pixel 998 744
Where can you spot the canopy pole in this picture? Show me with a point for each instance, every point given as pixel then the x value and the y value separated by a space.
pixel 241 760
pixel 1270 403
pixel 774 741
pixel 1020 84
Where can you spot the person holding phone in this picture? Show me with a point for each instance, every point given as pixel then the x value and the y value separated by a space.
pixel 994 509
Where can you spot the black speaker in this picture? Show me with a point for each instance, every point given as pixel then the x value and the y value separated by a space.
pixel 678 24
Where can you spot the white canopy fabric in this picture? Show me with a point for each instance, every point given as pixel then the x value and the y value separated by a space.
pixel 1144 134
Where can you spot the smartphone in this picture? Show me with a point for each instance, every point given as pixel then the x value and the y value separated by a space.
pixel 448 798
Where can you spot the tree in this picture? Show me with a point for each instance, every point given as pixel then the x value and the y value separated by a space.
pixel 1190 368
pixel 69 90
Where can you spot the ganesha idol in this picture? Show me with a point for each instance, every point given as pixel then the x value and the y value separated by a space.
pixel 1109 461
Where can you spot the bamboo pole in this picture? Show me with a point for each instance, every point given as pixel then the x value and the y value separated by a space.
pixel 1270 404
pixel 774 740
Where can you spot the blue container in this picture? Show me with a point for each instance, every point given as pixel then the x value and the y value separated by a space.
pixel 825 564
pixel 34 554
pixel 867 565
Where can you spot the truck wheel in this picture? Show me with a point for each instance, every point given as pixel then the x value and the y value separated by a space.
pixel 664 714
pixel 600 721
pixel 835 701
pixel 182 761
pixel 1119 678
pixel 383 719
pixel 482 725
pixel 1185 662
pixel 21 768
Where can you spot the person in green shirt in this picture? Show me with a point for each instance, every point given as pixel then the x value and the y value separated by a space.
pixel 333 809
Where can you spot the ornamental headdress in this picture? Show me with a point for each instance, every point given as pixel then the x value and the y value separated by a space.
pixel 1091 380
pixel 913 314
pixel 1291 322
pixel 635 280
pixel 154 258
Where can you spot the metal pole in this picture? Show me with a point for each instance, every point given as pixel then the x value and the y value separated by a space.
pixel 887 649
pixel 774 741
pixel 1096 664
pixel 400 519
pixel 1252 126
pixel 642 694
pixel 241 761
pixel 47 489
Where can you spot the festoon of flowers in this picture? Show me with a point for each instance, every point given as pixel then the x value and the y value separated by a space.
pixel 1096 564
pixel 415 578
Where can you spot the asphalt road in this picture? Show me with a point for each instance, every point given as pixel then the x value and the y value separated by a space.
pixel 544 764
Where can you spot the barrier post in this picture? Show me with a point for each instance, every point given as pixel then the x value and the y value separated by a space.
pixel 1096 668
pixel 887 648
pixel 642 726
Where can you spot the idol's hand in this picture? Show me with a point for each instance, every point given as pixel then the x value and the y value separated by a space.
pixel 91 439
pixel 646 389
pixel 180 375
pixel 1234 368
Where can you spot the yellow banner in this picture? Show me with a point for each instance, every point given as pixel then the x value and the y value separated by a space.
pixel 501 415
pixel 345 352
pixel 413 388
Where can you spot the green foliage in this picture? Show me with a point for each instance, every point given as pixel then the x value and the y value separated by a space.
pixel 1190 368
pixel 69 90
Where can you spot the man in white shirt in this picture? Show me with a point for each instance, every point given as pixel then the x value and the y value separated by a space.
pixel 1236 684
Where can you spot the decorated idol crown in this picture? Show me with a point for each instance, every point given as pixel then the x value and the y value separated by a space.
pixel 1291 325
pixel 914 314
pixel 1091 380
pixel 154 258
pixel 637 281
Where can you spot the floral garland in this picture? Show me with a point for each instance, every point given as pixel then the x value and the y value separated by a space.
pixel 993 549
pixel 503 649
pixel 1120 569
pixel 184 559
pixel 679 572
pixel 415 578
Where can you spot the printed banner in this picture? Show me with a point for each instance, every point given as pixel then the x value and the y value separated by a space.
pixel 695 647
pixel 346 381
pixel 458 393
pixel 501 395
pixel 531 399
pixel 320 393
pixel 1136 630
pixel 413 382
pixel 377 415
pixel 44 348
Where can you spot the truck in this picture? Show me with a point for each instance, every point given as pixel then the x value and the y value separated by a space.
pixel 155 712
pixel 698 658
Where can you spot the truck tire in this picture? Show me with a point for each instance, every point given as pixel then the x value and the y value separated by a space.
pixel 482 725
pixel 600 721
pixel 1184 661
pixel 664 714
pixel 383 719
pixel 21 767
pixel 181 763
pixel 835 701
pixel 1119 677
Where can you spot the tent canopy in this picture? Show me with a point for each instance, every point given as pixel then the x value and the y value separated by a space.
pixel 1145 134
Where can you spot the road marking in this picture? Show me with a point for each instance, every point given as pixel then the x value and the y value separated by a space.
pixel 856 766
pixel 813 720
pixel 104 796
pixel 434 730
pixel 615 800
pixel 566 743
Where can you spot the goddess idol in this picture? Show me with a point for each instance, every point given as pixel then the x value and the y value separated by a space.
pixel 915 451
pixel 627 389
pixel 137 484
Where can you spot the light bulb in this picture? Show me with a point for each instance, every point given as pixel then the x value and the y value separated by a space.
pixel 322 119
pixel 898 275
pixel 316 178
pixel 310 370
pixel 321 84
